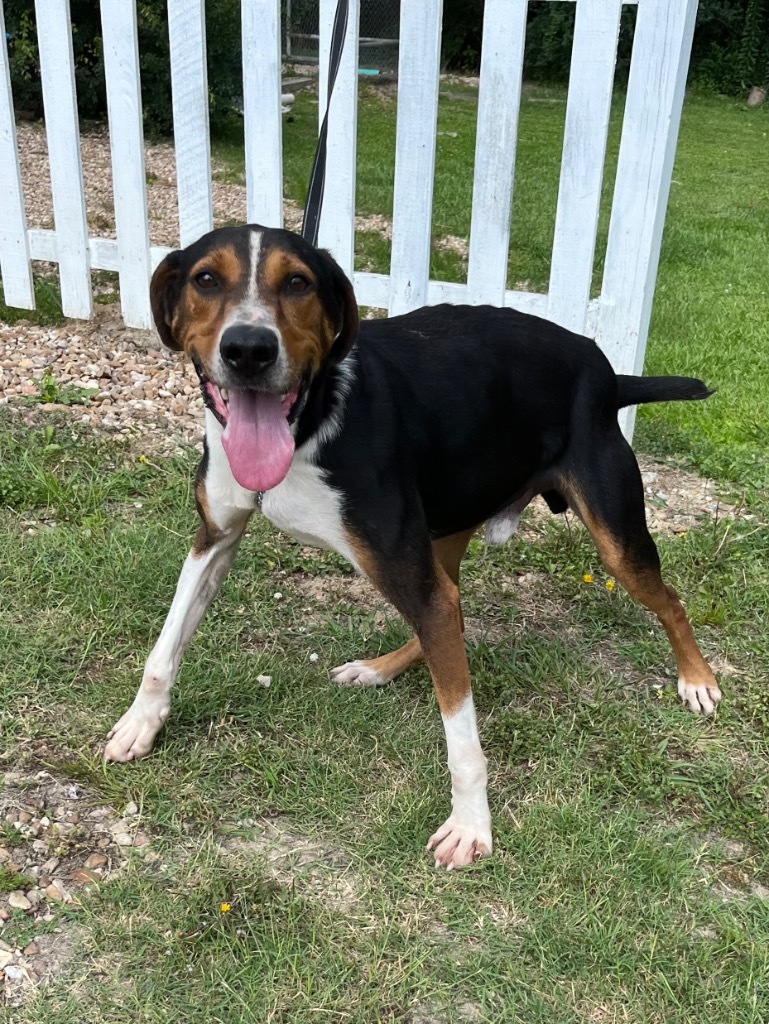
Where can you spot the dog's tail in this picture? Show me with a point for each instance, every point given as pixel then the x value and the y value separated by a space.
pixel 637 390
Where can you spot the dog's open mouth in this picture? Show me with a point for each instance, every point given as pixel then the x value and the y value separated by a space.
pixel 257 438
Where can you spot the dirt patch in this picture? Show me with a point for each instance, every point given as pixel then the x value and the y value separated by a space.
pixel 454 244
pixel 47 956
pixel 677 500
pixel 324 593
pixel 58 840
pixel 323 872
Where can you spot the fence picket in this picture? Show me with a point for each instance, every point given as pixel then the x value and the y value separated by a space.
pixel 192 145
pixel 661 46
pixel 126 139
pixel 14 247
pixel 261 111
pixel 418 68
pixel 619 318
pixel 62 129
pixel 588 109
pixel 504 31
pixel 337 223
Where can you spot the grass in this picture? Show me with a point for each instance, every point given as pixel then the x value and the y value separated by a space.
pixel 631 837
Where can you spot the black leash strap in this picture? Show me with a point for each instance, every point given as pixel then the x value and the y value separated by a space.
pixel 314 202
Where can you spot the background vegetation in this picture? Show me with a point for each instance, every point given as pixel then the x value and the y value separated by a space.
pixel 730 52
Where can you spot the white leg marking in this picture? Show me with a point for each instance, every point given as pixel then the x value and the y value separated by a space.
pixel 200 579
pixel 355 673
pixel 700 699
pixel 466 835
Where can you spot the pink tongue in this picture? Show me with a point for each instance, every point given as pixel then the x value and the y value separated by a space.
pixel 257 440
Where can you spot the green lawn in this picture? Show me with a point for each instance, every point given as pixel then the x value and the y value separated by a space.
pixel 627 883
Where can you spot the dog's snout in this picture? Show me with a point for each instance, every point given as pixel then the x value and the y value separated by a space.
pixel 249 350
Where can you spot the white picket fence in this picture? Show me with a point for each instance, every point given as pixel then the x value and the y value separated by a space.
pixel 618 318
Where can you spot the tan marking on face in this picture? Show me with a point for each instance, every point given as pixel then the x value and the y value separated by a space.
pixel 301 319
pixel 200 316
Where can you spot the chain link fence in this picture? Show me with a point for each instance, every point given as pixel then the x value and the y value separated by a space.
pixel 379 26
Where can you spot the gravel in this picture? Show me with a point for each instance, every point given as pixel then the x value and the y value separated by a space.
pixel 48 815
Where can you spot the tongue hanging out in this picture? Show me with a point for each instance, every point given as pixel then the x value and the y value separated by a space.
pixel 257 438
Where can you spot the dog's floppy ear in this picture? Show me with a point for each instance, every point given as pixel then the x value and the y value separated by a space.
pixel 341 301
pixel 165 289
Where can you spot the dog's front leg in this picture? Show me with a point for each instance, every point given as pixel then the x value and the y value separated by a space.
pixel 423 588
pixel 225 509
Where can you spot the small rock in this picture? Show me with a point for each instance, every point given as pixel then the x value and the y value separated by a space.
pixel 32 949
pixel 131 810
pixel 83 877
pixel 55 891
pixel 264 680
pixel 4 915
pixel 6 957
pixel 34 896
pixel 50 866
pixel 5 855
pixel 45 821
pixel 11 778
pixel 141 839
pixel 24 817
pixel 123 839
pixel 5 947
pixel 19 901
pixel 96 860
pixel 39 846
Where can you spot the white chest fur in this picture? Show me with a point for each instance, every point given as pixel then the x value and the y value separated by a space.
pixel 305 506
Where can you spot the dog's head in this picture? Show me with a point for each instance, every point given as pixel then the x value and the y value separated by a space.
pixel 260 312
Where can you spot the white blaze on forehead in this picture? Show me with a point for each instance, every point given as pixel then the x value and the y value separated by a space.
pixel 254 250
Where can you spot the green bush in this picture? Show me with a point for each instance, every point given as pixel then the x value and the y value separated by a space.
pixel 223 46
pixel 730 51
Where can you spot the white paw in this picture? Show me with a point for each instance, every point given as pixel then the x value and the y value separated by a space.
pixel 357 673
pixel 134 735
pixel 457 844
pixel 700 699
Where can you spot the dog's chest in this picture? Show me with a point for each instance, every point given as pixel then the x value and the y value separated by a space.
pixel 305 506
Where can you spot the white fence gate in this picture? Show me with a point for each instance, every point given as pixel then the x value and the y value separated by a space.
pixel 618 318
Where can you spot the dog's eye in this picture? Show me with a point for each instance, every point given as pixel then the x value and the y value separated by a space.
pixel 296 284
pixel 205 280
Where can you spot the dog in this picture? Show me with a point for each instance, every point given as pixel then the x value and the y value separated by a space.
pixel 391 442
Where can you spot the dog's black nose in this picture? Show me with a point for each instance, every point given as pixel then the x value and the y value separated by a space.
pixel 249 350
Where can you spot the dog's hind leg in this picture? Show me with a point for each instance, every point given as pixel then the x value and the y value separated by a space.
pixel 224 509
pixel 449 551
pixel 608 498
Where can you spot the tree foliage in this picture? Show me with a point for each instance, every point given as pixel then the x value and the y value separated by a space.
pixel 730 51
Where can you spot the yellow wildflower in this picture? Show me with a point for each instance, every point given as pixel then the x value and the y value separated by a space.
pixel 610 585
pixel 587 578
pixel 225 907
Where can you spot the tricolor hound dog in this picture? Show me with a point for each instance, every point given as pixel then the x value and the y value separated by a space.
pixel 391 442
